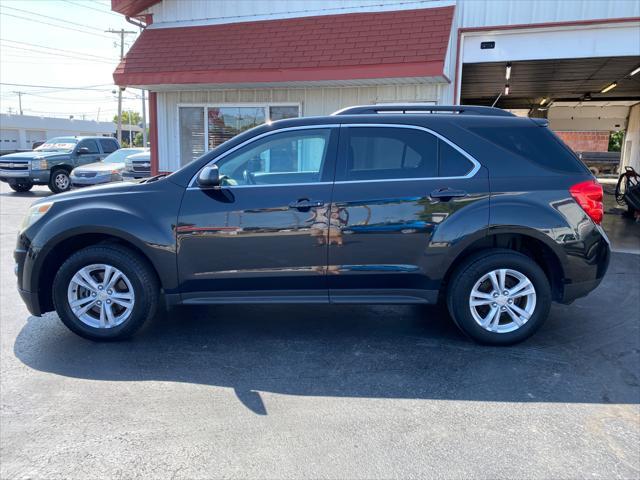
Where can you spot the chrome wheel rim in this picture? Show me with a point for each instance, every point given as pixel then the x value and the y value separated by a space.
pixel 62 181
pixel 502 300
pixel 101 296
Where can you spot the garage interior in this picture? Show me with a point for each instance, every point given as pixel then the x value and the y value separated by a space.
pixel 585 100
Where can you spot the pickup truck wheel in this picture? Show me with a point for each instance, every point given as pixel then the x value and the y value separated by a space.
pixel 59 181
pixel 499 297
pixel 105 293
pixel 21 187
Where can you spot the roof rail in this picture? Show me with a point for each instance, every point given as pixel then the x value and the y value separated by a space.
pixel 423 108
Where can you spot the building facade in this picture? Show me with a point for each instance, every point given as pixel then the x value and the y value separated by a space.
pixel 216 68
pixel 20 132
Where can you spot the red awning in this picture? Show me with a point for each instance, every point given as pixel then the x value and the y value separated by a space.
pixel 405 43
pixel 131 8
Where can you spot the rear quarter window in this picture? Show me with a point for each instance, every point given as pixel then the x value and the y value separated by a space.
pixel 536 144
pixel 108 146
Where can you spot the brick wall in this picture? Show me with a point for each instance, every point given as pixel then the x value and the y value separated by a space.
pixel 586 141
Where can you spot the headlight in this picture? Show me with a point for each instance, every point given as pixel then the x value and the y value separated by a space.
pixel 39 164
pixel 128 163
pixel 35 213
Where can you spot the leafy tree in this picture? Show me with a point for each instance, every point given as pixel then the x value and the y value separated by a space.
pixel 615 141
pixel 135 118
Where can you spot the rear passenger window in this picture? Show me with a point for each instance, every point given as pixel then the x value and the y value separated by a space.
pixel 90 144
pixel 108 146
pixel 452 162
pixel 377 153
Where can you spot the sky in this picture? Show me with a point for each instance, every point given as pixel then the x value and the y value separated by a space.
pixel 62 43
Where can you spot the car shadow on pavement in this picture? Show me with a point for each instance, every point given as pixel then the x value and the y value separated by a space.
pixel 31 194
pixel 587 352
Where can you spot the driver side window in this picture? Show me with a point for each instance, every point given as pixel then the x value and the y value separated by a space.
pixel 282 158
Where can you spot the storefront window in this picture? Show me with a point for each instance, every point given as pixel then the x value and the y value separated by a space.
pixel 280 113
pixel 227 122
pixel 191 133
pixel 222 124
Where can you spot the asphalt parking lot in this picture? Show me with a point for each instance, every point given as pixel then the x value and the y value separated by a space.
pixel 320 392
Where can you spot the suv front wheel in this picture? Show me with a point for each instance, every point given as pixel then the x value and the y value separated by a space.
pixel 105 292
pixel 21 187
pixel 499 297
pixel 59 181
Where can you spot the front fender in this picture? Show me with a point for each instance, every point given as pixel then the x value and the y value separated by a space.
pixel 145 219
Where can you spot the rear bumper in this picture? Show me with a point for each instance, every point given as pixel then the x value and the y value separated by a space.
pixel 593 269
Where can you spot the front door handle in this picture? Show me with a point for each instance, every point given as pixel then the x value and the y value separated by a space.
pixel 304 204
pixel 447 193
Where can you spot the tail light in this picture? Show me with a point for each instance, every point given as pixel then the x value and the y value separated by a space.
pixel 589 196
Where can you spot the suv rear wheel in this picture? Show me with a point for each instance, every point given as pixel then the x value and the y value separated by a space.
pixel 59 181
pixel 499 297
pixel 105 293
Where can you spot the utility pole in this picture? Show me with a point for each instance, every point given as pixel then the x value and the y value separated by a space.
pixel 122 32
pixel 19 101
pixel 144 120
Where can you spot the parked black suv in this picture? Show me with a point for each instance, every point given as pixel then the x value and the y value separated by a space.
pixel 472 206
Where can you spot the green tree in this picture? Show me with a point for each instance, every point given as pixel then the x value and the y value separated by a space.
pixel 615 141
pixel 135 118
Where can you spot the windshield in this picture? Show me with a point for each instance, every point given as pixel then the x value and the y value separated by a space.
pixel 119 156
pixel 58 144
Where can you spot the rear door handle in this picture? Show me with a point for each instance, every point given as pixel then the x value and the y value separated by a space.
pixel 304 204
pixel 447 193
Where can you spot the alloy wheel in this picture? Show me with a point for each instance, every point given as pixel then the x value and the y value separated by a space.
pixel 502 300
pixel 101 296
pixel 62 181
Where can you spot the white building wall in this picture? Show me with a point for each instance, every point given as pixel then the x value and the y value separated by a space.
pixel 468 13
pixel 312 101
pixel 49 127
pixel 631 147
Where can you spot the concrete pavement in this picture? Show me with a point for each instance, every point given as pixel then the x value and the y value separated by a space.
pixel 320 392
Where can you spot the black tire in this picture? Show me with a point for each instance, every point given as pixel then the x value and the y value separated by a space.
pixel 139 273
pixel 21 187
pixel 55 181
pixel 472 270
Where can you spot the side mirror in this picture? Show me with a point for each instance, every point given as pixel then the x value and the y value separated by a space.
pixel 83 150
pixel 209 177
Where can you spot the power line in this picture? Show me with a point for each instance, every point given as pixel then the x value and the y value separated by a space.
pixel 53 25
pixel 29 12
pixel 75 52
pixel 61 55
pixel 89 87
pixel 91 8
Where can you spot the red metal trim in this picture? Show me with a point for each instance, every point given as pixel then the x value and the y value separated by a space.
pixel 521 26
pixel 153 132
pixel 389 70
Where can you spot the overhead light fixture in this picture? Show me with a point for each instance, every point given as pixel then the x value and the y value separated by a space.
pixel 507 73
pixel 609 87
pixel 543 101
pixel 633 72
pixel 506 89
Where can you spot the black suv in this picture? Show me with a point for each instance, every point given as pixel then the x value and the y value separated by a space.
pixel 472 206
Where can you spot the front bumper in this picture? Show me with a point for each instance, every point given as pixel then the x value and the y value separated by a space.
pixel 135 175
pixel 25 176
pixel 97 180
pixel 31 301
